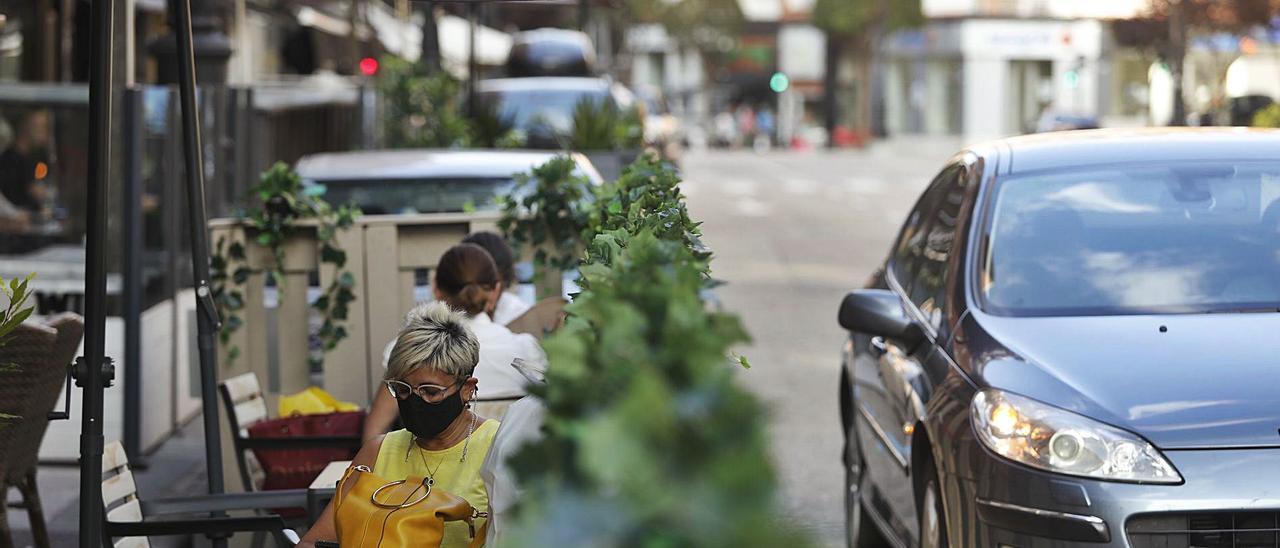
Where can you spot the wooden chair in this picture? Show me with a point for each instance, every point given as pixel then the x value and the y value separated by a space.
pixel 44 381
pixel 131 520
pixel 242 397
pixel 541 319
pixel 28 348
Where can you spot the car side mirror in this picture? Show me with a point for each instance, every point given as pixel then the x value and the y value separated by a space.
pixel 879 313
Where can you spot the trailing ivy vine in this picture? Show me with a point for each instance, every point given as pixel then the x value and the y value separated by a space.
pixel 548 214
pixel 285 202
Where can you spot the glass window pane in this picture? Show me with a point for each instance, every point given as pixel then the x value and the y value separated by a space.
pixel 1193 237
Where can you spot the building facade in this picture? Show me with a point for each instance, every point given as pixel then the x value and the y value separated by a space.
pixel 992 68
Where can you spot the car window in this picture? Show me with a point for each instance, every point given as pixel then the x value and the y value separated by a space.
pixel 1179 237
pixel 920 260
pixel 398 196
pixel 532 110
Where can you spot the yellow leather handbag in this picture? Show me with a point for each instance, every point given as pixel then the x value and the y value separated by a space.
pixel 371 512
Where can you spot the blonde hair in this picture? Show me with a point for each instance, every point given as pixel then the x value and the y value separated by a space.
pixel 436 337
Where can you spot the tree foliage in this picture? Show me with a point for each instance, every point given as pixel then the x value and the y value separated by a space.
pixel 421 111
pixel 1267 117
pixel 1152 30
pixel 844 19
pixel 708 25
pixel 1219 15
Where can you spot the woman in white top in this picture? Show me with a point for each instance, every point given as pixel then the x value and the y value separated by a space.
pixel 508 306
pixel 467 280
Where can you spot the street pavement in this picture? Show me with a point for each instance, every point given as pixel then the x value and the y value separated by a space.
pixel 792 232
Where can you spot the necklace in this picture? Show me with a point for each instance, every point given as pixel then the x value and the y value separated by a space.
pixel 431 474
pixel 470 430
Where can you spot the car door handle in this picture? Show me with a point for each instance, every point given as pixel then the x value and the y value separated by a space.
pixel 879 344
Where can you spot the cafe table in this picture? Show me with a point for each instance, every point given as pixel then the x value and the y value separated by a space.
pixel 322 488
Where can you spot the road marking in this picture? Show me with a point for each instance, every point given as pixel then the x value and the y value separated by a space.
pixel 865 185
pixel 740 187
pixel 752 207
pixel 800 186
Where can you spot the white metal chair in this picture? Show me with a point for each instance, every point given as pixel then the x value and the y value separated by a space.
pixel 132 520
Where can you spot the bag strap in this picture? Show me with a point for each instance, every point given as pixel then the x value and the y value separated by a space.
pixel 343 488
pixel 479 539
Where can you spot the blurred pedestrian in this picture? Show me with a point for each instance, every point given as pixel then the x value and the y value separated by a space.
pixel 746 124
pixel 766 125
pixel 726 129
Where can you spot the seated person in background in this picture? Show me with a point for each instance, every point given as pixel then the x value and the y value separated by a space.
pixel 430 381
pixel 22 171
pixel 467 281
pixel 12 219
pixel 509 306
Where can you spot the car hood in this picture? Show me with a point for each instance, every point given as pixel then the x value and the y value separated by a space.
pixel 1181 381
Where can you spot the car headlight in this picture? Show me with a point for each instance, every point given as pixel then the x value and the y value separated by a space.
pixel 1045 437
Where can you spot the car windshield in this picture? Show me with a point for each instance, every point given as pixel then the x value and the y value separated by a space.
pixel 1172 238
pixel 532 109
pixel 394 196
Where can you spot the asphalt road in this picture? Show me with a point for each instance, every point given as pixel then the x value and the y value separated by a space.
pixel 792 232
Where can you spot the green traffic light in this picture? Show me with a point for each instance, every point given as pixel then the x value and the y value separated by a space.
pixel 779 82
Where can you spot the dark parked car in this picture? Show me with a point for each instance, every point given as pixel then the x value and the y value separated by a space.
pixel 1074 341
pixel 551 52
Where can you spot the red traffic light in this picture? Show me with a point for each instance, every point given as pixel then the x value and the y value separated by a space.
pixel 368 66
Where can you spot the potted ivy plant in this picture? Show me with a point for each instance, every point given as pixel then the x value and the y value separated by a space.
pixel 15 312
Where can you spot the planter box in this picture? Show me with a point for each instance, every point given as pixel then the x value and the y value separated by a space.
pixel 611 162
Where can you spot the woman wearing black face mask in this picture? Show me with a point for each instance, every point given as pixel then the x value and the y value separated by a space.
pixel 429 376
pixel 467 279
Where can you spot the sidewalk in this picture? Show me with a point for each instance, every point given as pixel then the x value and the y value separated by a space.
pixel 175 469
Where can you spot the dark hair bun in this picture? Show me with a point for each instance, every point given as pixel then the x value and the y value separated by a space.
pixel 465 275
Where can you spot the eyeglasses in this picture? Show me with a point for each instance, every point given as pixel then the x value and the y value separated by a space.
pixel 430 393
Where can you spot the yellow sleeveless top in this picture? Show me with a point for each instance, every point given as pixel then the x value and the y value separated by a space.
pixel 399 458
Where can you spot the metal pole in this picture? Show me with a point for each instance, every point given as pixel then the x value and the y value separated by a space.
pixel 206 313
pixel 133 246
pixel 90 376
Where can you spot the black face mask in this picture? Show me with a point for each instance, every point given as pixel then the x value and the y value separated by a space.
pixel 426 420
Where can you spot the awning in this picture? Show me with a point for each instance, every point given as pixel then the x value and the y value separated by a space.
pixel 492 45
pixel 404 38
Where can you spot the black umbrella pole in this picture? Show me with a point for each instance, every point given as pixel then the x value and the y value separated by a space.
pixel 90 376
pixel 206 314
